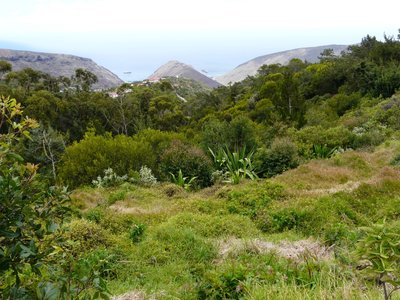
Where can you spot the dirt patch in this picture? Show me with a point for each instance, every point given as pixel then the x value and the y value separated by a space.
pixel 120 207
pixel 133 295
pixel 347 187
pixel 291 250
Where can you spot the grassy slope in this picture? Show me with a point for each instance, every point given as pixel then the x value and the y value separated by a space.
pixel 290 237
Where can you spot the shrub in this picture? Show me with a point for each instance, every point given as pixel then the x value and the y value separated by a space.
pixel 280 157
pixel 284 219
pixel 86 235
pixel 241 133
pixel 109 179
pixel 146 176
pixel 332 137
pixel 379 249
pixel 136 233
pixel 223 284
pixel 237 134
pixel 191 160
pixel 31 212
pixel 88 158
pixel 234 165
pixel 180 180
pixel 396 160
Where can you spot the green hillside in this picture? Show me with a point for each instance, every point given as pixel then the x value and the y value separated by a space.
pixel 283 186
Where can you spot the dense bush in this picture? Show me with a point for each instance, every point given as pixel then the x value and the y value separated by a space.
pixel 86 160
pixel 87 235
pixel 339 136
pixel 191 160
pixel 237 134
pixel 280 157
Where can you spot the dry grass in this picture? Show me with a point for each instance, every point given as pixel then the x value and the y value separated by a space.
pixel 344 172
pixel 86 199
pixel 295 250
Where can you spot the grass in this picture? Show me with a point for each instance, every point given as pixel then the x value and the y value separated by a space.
pixel 180 253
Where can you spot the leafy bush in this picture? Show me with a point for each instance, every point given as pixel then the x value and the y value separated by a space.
pixel 239 133
pixel 223 284
pixel 379 251
pixel 282 220
pixel 31 212
pixel 87 235
pixel 396 160
pixel 180 180
pixel 323 151
pixel 280 157
pixel 136 233
pixel 339 136
pixel 146 176
pixel 88 158
pixel 191 160
pixel 109 179
pixel 234 165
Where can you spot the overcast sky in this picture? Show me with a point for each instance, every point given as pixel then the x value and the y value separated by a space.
pixel 215 35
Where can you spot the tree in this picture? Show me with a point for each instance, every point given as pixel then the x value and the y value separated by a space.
pixel 30 211
pixel 84 79
pixel 5 67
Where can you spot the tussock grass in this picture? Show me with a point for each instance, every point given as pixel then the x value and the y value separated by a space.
pixel 178 255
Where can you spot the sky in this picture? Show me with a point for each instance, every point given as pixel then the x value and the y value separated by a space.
pixel 212 35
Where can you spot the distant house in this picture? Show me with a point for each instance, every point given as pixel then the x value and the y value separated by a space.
pixel 113 94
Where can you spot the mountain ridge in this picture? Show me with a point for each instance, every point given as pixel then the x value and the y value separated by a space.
pixel 174 68
pixel 250 67
pixel 58 64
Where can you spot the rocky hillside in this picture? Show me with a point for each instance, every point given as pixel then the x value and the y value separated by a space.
pixel 175 68
pixel 250 67
pixel 59 65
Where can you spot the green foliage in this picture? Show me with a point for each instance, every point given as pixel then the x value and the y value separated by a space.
pixel 396 160
pixel 214 134
pixel 241 134
pixel 191 160
pixel 280 157
pixel 84 79
pixel 237 134
pixel 31 212
pixel 215 226
pixel 84 161
pixel 380 251
pixel 182 181
pixel 339 136
pixel 5 67
pixel 226 284
pixel 79 278
pixel 109 179
pixel 85 235
pixel 146 176
pixel 322 151
pixel 234 165
pixel 166 112
pixel 136 232
pixel 167 243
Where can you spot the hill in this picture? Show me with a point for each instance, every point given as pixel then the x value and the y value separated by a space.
pixel 250 67
pixel 59 65
pixel 175 68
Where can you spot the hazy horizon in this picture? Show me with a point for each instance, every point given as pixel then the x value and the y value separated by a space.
pixel 215 36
